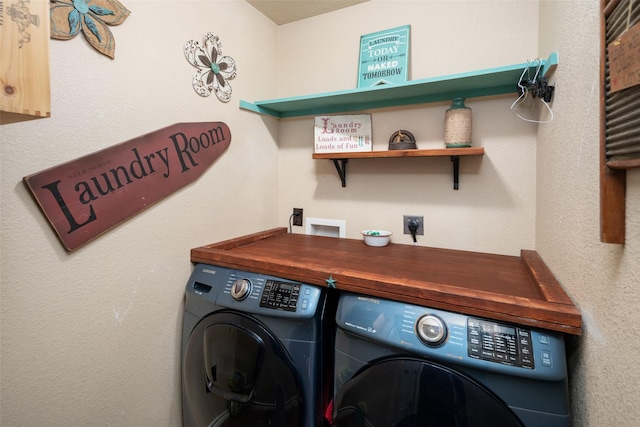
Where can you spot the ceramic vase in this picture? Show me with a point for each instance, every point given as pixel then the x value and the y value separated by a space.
pixel 457 125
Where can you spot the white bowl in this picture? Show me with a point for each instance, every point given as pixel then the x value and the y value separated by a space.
pixel 376 237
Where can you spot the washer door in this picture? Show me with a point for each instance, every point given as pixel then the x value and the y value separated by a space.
pixel 236 373
pixel 407 392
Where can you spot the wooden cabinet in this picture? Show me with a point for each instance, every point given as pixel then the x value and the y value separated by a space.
pixel 24 60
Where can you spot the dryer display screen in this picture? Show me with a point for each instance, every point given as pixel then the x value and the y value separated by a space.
pixel 280 295
pixel 500 343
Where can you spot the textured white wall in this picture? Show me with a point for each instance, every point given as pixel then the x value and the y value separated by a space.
pixel 494 209
pixel 603 279
pixel 93 337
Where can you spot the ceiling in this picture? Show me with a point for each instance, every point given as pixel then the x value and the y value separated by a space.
pixel 285 11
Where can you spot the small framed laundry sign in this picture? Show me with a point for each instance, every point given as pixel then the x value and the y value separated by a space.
pixel 342 134
pixel 384 57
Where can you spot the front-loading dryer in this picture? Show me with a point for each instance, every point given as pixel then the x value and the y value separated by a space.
pixel 252 352
pixel 404 365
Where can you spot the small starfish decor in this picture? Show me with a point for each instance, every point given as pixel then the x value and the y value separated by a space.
pixel 214 70
pixel 331 282
pixel 69 17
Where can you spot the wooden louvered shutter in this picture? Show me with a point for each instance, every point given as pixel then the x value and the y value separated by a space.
pixel 620 134
pixel 622 109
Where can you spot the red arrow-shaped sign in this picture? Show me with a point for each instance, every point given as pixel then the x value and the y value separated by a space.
pixel 86 197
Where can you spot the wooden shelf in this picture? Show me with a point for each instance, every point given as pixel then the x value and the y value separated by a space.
pixel 435 152
pixel 493 81
pixel 340 159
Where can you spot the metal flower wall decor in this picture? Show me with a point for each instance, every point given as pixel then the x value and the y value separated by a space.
pixel 69 17
pixel 214 70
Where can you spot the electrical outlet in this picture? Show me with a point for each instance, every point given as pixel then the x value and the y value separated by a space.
pixel 297 217
pixel 418 219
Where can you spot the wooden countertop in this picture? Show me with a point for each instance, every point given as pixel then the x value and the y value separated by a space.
pixel 520 290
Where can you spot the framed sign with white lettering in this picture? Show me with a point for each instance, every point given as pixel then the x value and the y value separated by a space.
pixel 384 57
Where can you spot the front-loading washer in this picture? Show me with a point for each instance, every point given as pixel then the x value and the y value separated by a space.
pixel 252 352
pixel 404 365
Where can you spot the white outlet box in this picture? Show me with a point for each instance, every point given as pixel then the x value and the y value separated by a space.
pixel 326 227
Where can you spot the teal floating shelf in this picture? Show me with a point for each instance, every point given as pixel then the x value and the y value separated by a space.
pixel 493 81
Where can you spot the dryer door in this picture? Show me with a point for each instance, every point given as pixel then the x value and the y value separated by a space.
pixel 236 373
pixel 408 392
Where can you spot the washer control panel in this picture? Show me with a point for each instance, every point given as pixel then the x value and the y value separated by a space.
pixel 280 295
pixel 499 343
pixel 255 293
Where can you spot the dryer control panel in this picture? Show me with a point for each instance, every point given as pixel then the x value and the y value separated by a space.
pixel 500 343
pixel 455 338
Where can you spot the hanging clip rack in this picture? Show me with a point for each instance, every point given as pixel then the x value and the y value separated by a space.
pixel 537 86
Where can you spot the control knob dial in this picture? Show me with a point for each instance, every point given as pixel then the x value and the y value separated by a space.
pixel 431 330
pixel 241 289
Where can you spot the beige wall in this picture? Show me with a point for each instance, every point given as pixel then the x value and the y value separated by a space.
pixel 494 209
pixel 93 337
pixel 603 279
